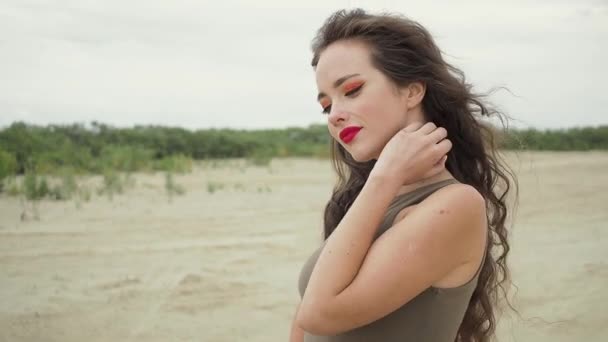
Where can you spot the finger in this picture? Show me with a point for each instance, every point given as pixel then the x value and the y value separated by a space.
pixel 427 128
pixel 414 126
pixel 437 135
pixel 437 168
pixel 443 147
pixel 441 161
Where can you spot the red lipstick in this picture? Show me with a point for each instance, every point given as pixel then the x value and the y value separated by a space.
pixel 349 133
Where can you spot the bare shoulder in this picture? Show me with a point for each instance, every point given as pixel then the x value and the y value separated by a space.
pixel 459 211
pixel 465 210
pixel 459 195
pixel 460 205
pixel 456 199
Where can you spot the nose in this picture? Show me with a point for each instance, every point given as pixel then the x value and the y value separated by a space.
pixel 337 115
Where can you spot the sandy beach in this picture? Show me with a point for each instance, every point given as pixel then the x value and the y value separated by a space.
pixel 222 264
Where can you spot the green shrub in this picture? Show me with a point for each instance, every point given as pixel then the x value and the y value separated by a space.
pixel 8 166
pixel 12 186
pixel 124 158
pixel 171 187
pixel 34 186
pixel 177 163
pixel 112 184
pixel 67 187
pixel 261 157
pixel 212 186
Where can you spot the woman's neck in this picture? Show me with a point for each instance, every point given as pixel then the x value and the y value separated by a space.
pixel 444 175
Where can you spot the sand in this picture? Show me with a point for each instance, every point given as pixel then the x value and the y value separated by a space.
pixel 223 265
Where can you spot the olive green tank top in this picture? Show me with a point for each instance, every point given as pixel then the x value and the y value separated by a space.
pixel 433 316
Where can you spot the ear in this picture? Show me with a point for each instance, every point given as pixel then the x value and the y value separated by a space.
pixel 414 93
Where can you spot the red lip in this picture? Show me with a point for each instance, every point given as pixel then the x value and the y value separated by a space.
pixel 349 133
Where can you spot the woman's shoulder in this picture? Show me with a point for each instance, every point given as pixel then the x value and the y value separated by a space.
pixel 466 209
pixel 451 194
pixel 456 192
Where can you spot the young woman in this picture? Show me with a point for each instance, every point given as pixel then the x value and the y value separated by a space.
pixel 415 235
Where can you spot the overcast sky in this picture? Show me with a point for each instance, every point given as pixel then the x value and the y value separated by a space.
pixel 202 64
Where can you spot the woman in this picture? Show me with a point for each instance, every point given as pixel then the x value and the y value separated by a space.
pixel 415 235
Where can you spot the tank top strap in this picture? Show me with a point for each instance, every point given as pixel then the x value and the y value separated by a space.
pixel 408 199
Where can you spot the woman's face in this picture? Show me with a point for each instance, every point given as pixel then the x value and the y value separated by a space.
pixel 353 93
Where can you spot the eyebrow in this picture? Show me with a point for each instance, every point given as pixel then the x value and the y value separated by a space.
pixel 337 83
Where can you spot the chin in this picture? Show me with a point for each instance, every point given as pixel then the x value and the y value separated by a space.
pixel 361 156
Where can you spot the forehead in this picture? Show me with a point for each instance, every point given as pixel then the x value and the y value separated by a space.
pixel 342 58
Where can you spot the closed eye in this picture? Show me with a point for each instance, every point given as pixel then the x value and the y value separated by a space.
pixel 349 93
pixel 354 91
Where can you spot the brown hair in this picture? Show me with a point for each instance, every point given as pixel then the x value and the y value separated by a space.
pixel 404 51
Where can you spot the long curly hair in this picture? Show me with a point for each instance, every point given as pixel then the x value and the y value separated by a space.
pixel 405 52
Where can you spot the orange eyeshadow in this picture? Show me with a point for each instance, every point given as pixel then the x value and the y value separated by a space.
pixel 352 86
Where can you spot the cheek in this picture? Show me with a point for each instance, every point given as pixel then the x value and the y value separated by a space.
pixel 380 111
pixel 385 116
pixel 371 107
pixel 392 109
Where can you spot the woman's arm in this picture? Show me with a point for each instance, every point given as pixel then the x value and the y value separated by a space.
pixel 297 334
pixel 355 283
pixel 344 251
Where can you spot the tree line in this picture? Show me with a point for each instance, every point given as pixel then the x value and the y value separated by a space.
pixel 97 147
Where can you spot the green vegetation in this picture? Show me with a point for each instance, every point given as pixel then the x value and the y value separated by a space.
pixel 114 183
pixel 8 166
pixel 571 139
pixel 213 186
pixel 171 187
pixel 34 186
pixel 99 147
pixel 69 151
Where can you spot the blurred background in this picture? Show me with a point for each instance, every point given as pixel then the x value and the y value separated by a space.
pixel 164 164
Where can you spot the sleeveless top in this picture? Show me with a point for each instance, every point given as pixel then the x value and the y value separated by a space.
pixel 432 316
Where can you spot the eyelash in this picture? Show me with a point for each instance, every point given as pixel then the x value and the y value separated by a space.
pixel 352 92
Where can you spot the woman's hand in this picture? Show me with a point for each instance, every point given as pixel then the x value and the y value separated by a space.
pixel 416 152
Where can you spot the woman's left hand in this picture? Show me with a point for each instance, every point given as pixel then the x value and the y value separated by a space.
pixel 416 152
